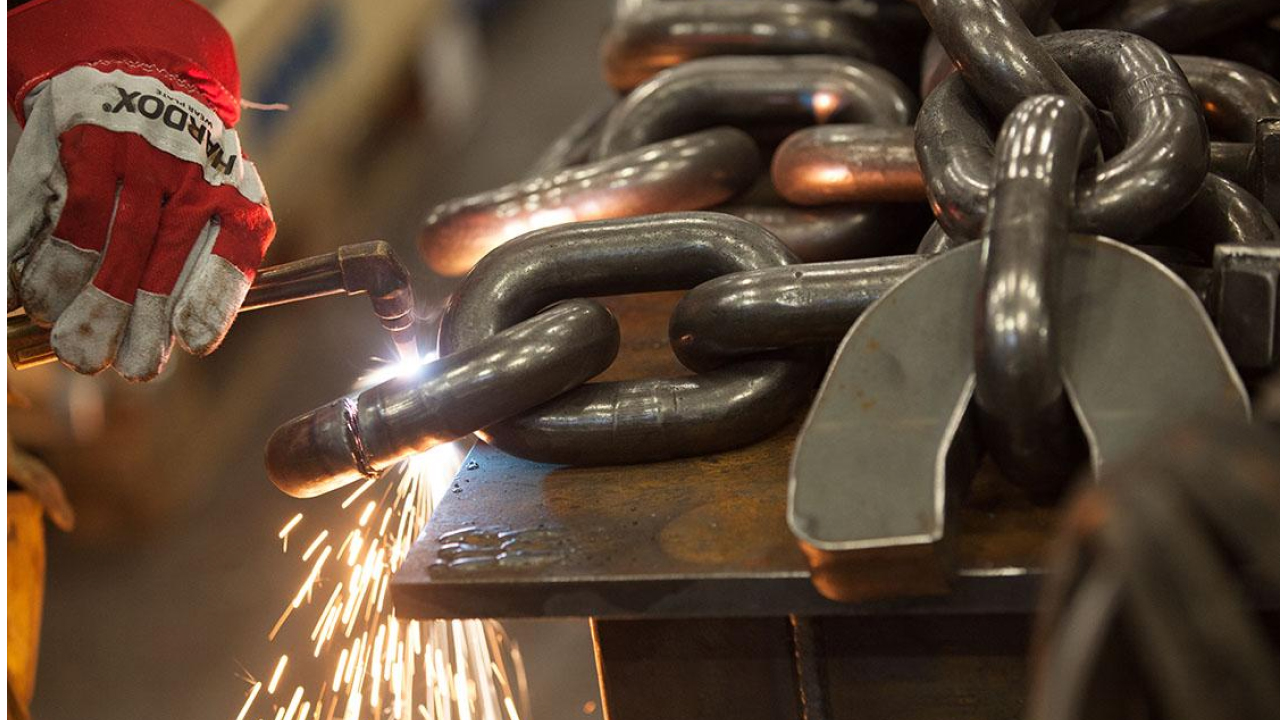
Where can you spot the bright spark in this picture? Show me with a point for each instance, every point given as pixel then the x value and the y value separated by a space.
pixel 284 531
pixel 275 676
pixel 253 695
pixel 373 664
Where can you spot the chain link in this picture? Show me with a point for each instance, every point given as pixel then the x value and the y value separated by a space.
pixel 689 172
pixel 640 420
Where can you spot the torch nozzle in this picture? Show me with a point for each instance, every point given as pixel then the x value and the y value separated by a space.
pixel 374 269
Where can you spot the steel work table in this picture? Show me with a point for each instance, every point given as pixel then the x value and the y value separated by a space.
pixel 699 596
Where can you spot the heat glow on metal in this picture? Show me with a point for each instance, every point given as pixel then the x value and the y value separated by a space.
pixel 373 664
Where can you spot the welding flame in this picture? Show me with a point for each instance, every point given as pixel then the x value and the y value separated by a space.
pixel 379 665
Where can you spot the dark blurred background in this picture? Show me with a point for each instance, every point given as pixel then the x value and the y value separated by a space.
pixel 159 604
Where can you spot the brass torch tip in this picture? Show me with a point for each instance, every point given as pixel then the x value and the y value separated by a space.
pixel 315 453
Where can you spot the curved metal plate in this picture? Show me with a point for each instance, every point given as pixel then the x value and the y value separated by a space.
pixel 887 434
pixel 1138 350
pixel 887 410
pixel 867 494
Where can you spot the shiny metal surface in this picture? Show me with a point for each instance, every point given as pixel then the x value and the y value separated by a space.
pixel 1157 173
pixel 701 537
pixel 1231 161
pixel 639 420
pixel 876 465
pixel 874 480
pixel 759 311
pixel 837 232
pixel 1023 412
pixel 753 312
pixel 1131 316
pixel 755 93
pixel 848 163
pixel 694 537
pixel 1245 293
pixel 1230 228
pixel 369 268
pixel 659 35
pixel 1165 154
pixel 1233 95
pixel 1222 213
pixel 999 58
pixel 1264 165
pixel 505 374
pixel 837 163
pixel 936 65
pixel 955 151
pixel 643 421
pixel 683 173
pixel 1253 166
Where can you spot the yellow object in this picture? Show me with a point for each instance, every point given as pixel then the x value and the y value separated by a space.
pixel 26 595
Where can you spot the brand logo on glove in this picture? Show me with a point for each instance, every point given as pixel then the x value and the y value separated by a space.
pixel 177 118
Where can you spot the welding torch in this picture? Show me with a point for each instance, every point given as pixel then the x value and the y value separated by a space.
pixel 367 268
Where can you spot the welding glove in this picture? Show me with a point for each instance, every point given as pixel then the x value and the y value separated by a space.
pixel 134 217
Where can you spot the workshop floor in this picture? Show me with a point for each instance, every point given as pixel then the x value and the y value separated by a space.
pixel 167 624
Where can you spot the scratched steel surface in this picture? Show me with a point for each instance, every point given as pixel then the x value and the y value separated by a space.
pixel 701 536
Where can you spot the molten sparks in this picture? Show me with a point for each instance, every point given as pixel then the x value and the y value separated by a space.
pixel 371 663
pixel 288 527
pixel 275 676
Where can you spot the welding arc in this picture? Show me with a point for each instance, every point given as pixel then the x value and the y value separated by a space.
pixel 507 374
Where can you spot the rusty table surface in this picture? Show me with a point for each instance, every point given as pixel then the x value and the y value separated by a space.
pixel 696 537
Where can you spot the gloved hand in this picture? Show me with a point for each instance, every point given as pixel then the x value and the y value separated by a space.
pixel 134 217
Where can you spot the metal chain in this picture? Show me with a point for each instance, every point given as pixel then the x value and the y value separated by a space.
pixel 630 421
pixel 711 89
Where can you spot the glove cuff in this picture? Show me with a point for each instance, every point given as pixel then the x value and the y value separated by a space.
pixel 175 41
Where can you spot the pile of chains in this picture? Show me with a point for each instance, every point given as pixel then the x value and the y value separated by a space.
pixel 1098 131
pixel 1103 259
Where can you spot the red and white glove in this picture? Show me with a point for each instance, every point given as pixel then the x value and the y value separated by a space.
pixel 134 217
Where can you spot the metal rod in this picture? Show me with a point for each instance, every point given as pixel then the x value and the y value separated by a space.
pixel 363 268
